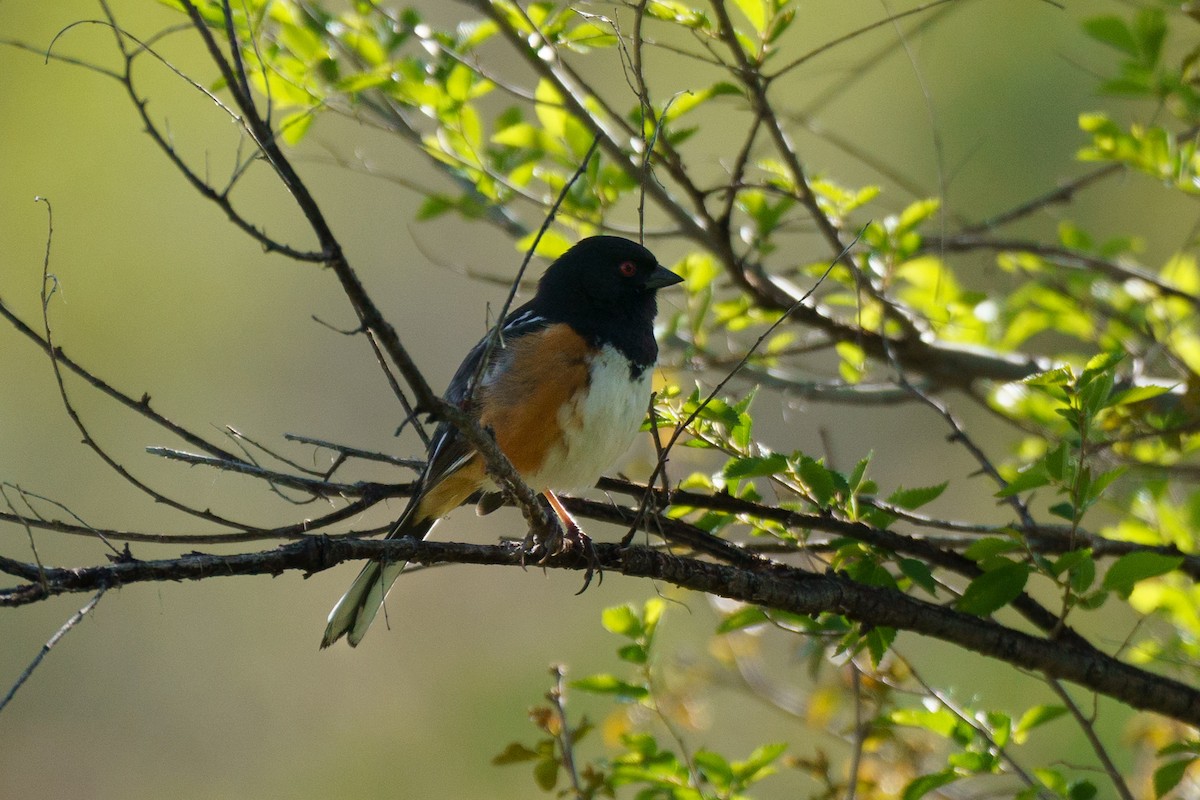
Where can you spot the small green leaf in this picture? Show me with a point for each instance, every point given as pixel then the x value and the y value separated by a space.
pixel 1035 717
pixel 1082 790
pixel 755 466
pixel 941 722
pixel 1101 482
pixel 759 760
pixel 989 547
pixel 916 213
pixel 1063 511
pixel 818 480
pixel 688 100
pixel 1138 566
pixel 919 787
pixel 1168 776
pixel 1112 31
pixel 918 572
pixel 912 499
pixel 743 618
pixel 545 772
pixel 1190 746
pixel 1057 462
pixel 860 470
pixel 994 589
pixel 605 683
pixel 552 244
pixel 1031 477
pixel 1137 394
pixel 293 127
pixel 1083 576
pixel 879 641
pixel 755 11
pixel 621 620
pixel 652 611
pixel 633 653
pixel 1150 29
pixel 515 753
pixel 715 767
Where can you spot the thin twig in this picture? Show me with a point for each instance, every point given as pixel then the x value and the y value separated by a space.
pixel 71 622
pixel 1087 725
pixel 566 738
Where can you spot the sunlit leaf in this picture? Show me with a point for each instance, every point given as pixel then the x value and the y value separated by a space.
pixel 1137 566
pixel 994 589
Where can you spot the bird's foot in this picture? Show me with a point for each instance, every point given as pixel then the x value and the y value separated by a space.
pixel 569 539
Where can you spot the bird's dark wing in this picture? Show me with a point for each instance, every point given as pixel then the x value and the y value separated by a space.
pixel 447 450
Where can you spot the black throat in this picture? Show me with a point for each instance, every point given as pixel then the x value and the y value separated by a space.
pixel 629 328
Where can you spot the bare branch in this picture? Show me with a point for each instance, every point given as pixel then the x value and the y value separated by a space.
pixel 778 587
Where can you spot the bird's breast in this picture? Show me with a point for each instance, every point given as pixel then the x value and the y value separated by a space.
pixel 599 425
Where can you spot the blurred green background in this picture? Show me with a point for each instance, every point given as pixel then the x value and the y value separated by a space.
pixel 217 689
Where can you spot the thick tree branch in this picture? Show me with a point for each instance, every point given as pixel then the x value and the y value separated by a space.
pixel 777 587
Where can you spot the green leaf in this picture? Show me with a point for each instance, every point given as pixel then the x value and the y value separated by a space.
pixel 755 11
pixel 545 772
pixel 1057 462
pixel 918 572
pixel 552 244
pixel 293 127
pixel 860 470
pixel 522 135
pixel 515 753
pixel 1137 394
pixel 879 640
pixel 941 722
pixel 1082 790
pixel 633 653
pixel 994 589
pixel 1113 32
pixel 1101 482
pixel 989 547
pixel 912 499
pixel 715 767
pixel 1080 566
pixel 818 480
pixel 1031 477
pixel 1190 746
pixel 689 100
pixel 743 618
pixel 755 466
pixel 1036 717
pixel 1150 29
pixel 1138 566
pixel 1063 511
pixel 1168 776
pixel 458 82
pixel 916 213
pixel 759 760
pixel 621 620
pixel 652 611
pixel 605 683
pixel 919 787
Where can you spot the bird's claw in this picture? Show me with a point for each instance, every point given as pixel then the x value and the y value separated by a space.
pixel 565 540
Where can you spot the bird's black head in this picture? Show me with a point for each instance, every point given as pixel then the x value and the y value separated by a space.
pixel 604 287
pixel 605 275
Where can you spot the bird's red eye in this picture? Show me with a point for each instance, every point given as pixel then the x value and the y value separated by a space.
pixel 628 269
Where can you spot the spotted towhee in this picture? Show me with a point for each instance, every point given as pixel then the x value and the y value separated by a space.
pixel 564 390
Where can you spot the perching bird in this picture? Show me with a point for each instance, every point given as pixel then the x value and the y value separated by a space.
pixel 564 391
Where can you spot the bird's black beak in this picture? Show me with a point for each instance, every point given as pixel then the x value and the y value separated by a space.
pixel 662 277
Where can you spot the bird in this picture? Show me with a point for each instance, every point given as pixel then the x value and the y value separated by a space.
pixel 564 389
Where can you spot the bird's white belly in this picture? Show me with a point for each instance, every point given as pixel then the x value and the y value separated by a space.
pixel 599 428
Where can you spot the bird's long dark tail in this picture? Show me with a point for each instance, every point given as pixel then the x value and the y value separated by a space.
pixel 354 612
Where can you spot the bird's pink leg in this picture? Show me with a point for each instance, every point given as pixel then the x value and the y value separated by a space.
pixel 573 537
